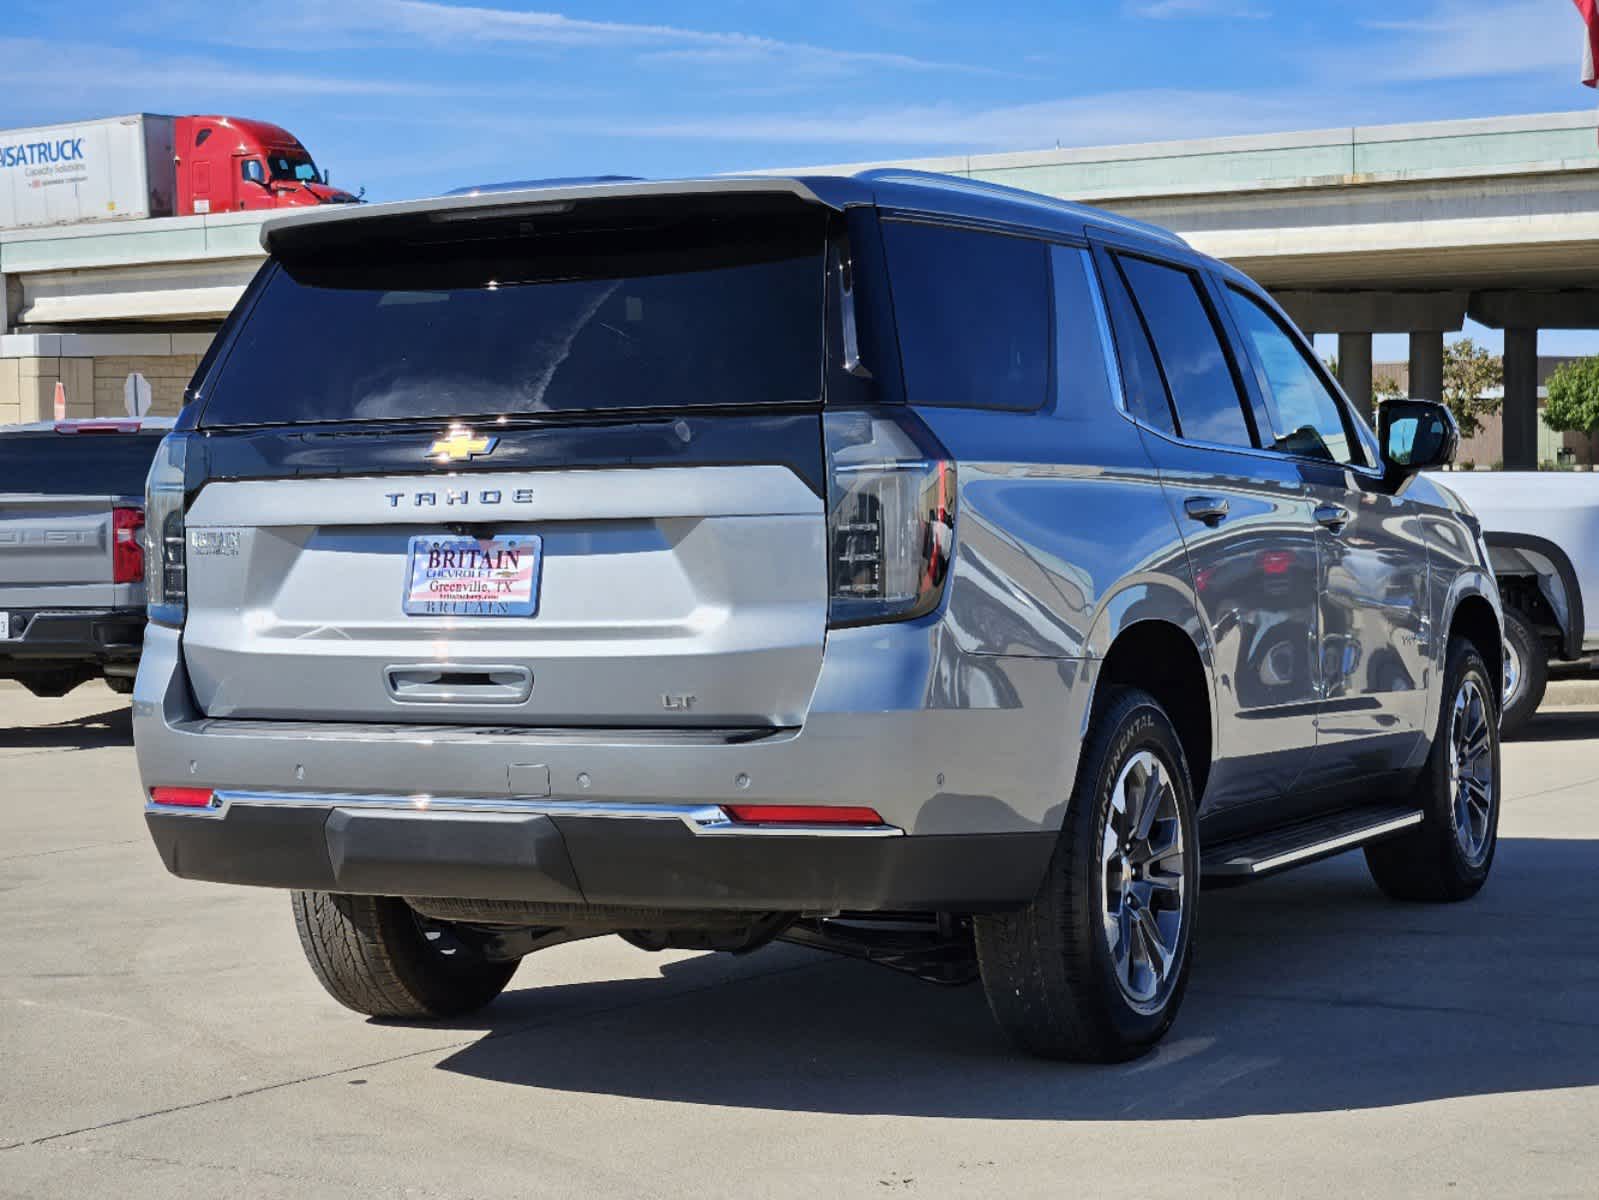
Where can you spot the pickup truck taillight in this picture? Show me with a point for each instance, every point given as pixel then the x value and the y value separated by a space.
pixel 166 584
pixel 890 516
pixel 127 547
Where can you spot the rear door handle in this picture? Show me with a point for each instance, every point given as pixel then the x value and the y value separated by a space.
pixel 1208 510
pixel 1332 516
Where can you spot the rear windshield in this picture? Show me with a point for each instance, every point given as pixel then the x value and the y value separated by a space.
pixel 698 313
pixel 76 464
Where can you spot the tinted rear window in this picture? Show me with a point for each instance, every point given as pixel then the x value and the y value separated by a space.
pixel 1209 406
pixel 973 316
pixel 76 464
pixel 709 313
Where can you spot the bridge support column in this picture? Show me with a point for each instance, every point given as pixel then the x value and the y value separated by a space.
pixel 1521 400
pixel 1354 370
pixel 1427 365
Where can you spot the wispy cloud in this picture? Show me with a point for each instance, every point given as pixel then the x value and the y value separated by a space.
pixel 32 63
pixel 1167 10
pixel 473 28
pixel 1467 42
pixel 1110 117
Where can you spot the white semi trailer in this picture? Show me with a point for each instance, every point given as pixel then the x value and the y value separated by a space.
pixel 114 169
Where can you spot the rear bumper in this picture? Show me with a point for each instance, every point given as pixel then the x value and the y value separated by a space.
pixel 969 759
pixel 49 639
pixel 560 856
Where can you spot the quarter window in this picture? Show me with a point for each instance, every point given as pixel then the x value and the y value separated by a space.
pixel 1203 389
pixel 1306 417
pixel 973 313
pixel 1142 387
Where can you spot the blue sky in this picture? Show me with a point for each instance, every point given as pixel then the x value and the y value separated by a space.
pixel 408 97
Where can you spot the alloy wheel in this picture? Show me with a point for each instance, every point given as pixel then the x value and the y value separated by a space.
pixel 1512 670
pixel 1142 878
pixel 1471 769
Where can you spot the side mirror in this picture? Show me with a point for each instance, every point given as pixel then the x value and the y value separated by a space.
pixel 1416 435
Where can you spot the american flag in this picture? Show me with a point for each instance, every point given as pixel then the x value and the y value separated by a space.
pixel 1590 42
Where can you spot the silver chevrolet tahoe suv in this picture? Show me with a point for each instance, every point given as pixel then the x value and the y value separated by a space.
pixel 902 566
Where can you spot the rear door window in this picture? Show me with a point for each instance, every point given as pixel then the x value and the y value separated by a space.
pixel 973 313
pixel 686 315
pixel 76 464
pixel 1144 389
pixel 1198 375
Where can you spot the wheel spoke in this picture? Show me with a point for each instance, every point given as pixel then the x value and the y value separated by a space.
pixel 1165 842
pixel 1168 889
pixel 1149 804
pixel 1476 744
pixel 1155 950
pixel 1132 793
pixel 1478 797
pixel 1122 951
pixel 1109 847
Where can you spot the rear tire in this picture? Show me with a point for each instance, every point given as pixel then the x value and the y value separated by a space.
pixel 372 955
pixel 1526 671
pixel 1094 968
pixel 1447 857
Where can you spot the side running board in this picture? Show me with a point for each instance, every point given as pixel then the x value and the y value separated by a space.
pixel 1294 845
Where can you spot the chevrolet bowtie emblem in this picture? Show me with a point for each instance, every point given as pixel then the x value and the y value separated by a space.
pixel 461 444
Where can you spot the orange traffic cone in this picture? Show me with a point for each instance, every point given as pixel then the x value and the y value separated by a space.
pixel 61 401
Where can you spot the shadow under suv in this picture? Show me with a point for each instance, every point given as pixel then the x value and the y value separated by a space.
pixel 903 566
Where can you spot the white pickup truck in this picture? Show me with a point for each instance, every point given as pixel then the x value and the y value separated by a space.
pixel 72 551
pixel 1542 530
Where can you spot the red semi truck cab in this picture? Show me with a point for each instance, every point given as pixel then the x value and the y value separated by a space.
pixel 225 164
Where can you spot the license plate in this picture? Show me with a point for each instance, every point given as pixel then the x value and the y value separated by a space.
pixel 5 626
pixel 474 577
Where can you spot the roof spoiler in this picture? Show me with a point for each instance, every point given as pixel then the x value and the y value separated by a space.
pixel 347 222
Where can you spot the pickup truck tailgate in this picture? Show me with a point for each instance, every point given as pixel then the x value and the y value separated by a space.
pixel 55 551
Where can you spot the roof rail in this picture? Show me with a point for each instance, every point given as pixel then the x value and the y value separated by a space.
pixel 1000 191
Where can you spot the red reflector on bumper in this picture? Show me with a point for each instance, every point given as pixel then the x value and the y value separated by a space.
pixel 802 814
pixel 182 797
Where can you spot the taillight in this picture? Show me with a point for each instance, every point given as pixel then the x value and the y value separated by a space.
pixel 127 546
pixel 890 516
pixel 181 797
pixel 166 584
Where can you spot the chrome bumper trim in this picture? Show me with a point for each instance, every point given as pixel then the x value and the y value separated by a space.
pixel 703 820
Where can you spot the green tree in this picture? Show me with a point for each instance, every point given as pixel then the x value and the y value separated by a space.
pixel 1469 371
pixel 1574 397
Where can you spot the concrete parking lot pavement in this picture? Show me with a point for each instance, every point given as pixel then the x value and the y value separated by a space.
pixel 164 1038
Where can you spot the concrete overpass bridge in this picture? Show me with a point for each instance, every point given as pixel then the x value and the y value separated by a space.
pixel 1387 229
